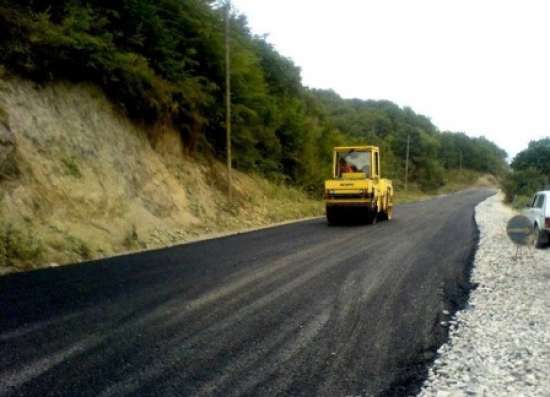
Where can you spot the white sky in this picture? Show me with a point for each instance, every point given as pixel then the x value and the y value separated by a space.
pixel 481 67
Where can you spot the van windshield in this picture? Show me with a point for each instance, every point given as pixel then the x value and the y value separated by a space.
pixel 353 161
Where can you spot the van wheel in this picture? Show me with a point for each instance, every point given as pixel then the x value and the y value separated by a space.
pixel 538 237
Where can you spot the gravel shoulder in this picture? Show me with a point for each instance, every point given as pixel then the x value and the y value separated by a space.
pixel 500 343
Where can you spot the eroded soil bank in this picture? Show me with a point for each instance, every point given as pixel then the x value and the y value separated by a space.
pixel 79 181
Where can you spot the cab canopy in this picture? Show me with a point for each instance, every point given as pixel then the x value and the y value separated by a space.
pixel 356 162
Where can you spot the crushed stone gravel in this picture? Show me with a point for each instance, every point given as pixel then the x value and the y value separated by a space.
pixel 499 345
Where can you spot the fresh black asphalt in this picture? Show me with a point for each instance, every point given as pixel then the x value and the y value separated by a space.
pixel 302 309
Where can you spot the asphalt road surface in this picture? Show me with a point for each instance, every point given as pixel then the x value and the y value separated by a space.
pixel 301 309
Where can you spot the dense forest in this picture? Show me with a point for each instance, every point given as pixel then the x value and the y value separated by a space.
pixel 162 62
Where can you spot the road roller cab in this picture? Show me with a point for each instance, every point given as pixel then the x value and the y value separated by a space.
pixel 357 190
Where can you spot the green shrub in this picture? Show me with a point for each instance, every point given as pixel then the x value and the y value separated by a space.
pixel 71 167
pixel 79 247
pixel 522 183
pixel 431 176
pixel 520 202
pixel 19 247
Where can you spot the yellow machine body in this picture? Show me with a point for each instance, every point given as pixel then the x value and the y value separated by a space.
pixel 357 188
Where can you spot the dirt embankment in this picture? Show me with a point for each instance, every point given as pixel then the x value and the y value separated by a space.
pixel 78 180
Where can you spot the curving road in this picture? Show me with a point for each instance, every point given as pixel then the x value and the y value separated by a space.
pixel 301 309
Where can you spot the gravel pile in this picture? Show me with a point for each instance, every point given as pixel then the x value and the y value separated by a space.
pixel 500 344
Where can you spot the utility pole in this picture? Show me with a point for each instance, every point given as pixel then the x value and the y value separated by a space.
pixel 460 161
pixel 228 99
pixel 407 162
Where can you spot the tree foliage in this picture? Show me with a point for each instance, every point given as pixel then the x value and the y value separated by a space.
pixel 162 61
pixel 531 171
pixel 432 152
pixel 536 156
